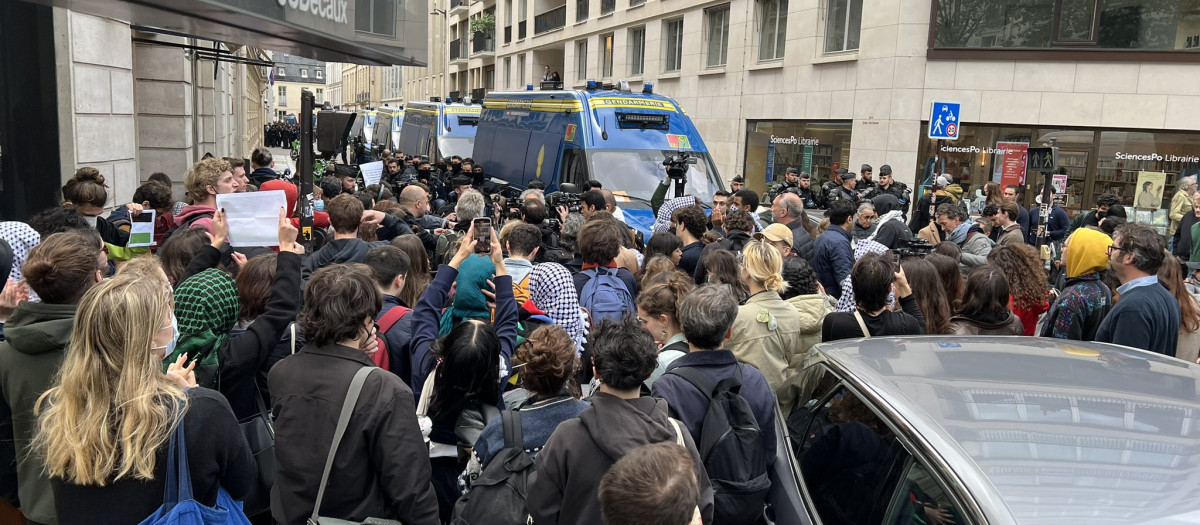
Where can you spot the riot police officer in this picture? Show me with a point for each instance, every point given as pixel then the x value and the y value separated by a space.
pixel 791 183
pixel 889 186
pixel 844 192
pixel 812 196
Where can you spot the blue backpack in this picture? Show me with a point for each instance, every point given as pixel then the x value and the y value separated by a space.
pixel 605 295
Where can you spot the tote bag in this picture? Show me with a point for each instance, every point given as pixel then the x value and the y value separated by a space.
pixel 179 507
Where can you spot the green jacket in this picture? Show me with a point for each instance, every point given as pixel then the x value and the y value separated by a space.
pixel 36 336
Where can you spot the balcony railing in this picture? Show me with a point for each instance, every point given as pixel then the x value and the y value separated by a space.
pixel 550 20
pixel 607 6
pixel 521 30
pixel 482 43
pixel 507 34
pixel 581 10
pixel 456 49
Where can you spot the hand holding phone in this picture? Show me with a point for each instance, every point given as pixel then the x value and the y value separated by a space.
pixel 483 234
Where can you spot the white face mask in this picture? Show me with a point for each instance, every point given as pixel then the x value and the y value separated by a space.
pixel 91 220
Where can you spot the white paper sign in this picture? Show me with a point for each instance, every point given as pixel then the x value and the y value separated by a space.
pixel 371 172
pixel 253 217
pixel 141 230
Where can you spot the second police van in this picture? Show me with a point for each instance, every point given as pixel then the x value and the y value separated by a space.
pixel 614 136
pixel 436 129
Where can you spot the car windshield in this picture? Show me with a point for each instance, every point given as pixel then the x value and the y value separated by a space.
pixel 461 146
pixel 638 172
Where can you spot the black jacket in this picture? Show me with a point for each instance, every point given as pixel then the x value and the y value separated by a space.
pixel 691 257
pixel 568 469
pixel 218 456
pixel 734 242
pixel 381 469
pixel 263 175
pixel 802 242
pixel 843 325
pixel 1183 245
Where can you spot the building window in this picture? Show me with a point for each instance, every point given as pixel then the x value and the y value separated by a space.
pixel 606 59
pixel 521 69
pixel 282 91
pixel 581 60
pixel 637 51
pixel 672 45
pixel 281 71
pixel 843 20
pixel 813 147
pixel 507 72
pixel 320 96
pixel 320 74
pixel 303 73
pixel 375 16
pixel 772 29
pixel 1153 25
pixel 717 34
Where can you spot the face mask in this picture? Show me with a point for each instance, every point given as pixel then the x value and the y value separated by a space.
pixel 90 220
pixel 319 205
pixel 424 173
pixel 170 347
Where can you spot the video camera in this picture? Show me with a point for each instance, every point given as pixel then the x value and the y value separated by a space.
pixel 677 165
pixel 914 247
pixel 572 201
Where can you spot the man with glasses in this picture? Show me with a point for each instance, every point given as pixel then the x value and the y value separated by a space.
pixel 1147 316
pixel 864 221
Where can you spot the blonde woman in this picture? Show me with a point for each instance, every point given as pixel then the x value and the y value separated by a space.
pixel 105 425
pixel 767 331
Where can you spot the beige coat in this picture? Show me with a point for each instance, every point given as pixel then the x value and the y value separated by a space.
pixel 771 351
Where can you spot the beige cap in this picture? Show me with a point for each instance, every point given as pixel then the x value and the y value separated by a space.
pixel 776 232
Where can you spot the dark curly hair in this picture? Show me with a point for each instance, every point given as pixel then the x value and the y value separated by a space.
pixel 692 219
pixel 623 353
pixel 548 356
pixel 1026 277
pixel 800 276
pixel 739 220
pixel 339 298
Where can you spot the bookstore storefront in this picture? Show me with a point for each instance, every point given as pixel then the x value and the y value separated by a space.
pixel 1139 166
pixel 817 147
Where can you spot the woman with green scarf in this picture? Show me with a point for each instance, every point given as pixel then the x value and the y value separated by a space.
pixel 207 309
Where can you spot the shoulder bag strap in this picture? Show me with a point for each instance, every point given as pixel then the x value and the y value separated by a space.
pixel 697 378
pixel 678 432
pixel 511 422
pixel 352 394
pixel 293 329
pixel 862 325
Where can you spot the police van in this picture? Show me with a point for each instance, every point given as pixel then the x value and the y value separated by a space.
pixel 614 136
pixel 385 127
pixel 436 129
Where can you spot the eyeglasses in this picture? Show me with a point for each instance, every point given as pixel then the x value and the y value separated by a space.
pixel 1111 249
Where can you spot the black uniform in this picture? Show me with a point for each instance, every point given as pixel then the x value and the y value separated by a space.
pixel 841 193
pixel 898 190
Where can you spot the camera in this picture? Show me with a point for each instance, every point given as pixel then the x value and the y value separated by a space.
pixel 677 165
pixel 572 201
pixel 914 247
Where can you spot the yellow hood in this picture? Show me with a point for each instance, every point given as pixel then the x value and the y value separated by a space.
pixel 1087 252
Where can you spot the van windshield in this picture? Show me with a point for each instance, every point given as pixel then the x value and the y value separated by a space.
pixel 638 172
pixel 461 146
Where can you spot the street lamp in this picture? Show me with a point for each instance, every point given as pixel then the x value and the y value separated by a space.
pixel 445 46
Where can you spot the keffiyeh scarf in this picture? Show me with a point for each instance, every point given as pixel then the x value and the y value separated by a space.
pixel 553 291
pixel 847 303
pixel 663 219
pixel 206 308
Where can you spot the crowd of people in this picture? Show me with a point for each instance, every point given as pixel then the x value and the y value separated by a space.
pixel 441 339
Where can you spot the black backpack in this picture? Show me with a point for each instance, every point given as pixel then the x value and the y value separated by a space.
pixel 497 496
pixel 730 445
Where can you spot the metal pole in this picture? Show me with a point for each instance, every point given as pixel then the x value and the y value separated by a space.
pixel 305 168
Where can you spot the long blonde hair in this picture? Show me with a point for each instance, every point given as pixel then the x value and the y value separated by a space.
pixel 111 406
pixel 764 263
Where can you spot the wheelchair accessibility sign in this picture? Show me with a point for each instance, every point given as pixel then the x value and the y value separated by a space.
pixel 943 121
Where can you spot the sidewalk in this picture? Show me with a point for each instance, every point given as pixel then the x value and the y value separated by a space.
pixel 283 159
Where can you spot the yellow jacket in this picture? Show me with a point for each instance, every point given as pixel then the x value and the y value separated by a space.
pixel 1181 203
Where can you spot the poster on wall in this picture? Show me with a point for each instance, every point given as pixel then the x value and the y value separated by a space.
pixel 770 176
pixel 806 161
pixel 1060 184
pixel 1010 161
pixel 1149 192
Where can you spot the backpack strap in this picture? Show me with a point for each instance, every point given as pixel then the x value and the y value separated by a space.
pixel 392 317
pixel 511 422
pixel 862 325
pixel 678 432
pixel 697 378
pixel 352 393
pixel 292 328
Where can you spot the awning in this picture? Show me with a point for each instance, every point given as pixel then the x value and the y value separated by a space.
pixel 375 32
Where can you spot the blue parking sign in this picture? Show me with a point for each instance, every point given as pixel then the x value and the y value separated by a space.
pixel 943 120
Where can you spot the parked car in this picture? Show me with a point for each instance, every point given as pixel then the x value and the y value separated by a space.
pixel 997 430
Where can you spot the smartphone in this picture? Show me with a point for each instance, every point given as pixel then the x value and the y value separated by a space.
pixel 483 234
